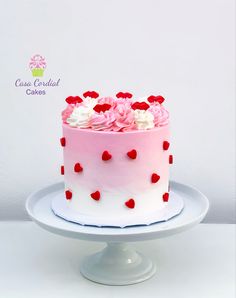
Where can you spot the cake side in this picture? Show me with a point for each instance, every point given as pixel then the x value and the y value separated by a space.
pixel 131 179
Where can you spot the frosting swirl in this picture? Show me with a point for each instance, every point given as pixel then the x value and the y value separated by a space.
pixel 80 117
pixel 124 117
pixel 90 102
pixel 161 115
pixel 109 100
pixel 143 119
pixel 66 113
pixel 102 121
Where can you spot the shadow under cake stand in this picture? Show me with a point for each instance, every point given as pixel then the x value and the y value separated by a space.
pixel 118 263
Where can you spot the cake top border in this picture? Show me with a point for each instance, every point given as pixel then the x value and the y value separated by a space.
pixel 121 114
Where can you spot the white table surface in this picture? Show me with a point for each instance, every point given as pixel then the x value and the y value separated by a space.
pixel 197 263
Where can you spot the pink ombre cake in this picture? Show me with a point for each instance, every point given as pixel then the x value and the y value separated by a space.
pixel 116 156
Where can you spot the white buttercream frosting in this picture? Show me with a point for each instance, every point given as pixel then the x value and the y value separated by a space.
pixel 143 119
pixel 80 117
pixel 90 102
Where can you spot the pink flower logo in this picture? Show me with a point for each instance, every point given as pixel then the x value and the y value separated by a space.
pixel 37 65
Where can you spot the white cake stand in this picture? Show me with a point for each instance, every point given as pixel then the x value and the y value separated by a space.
pixel 117 263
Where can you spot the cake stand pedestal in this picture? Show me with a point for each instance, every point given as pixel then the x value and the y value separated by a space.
pixel 118 263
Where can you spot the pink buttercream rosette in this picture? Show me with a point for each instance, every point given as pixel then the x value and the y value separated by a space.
pixel 161 115
pixel 67 112
pixel 124 117
pixel 109 100
pixel 102 121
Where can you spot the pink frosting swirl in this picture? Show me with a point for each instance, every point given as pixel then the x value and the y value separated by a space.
pixel 124 117
pixel 161 115
pixel 124 101
pixel 102 121
pixel 109 100
pixel 67 112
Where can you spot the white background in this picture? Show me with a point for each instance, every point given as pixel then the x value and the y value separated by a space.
pixel 181 49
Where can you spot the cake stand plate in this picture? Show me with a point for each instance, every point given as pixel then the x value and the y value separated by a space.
pixel 117 263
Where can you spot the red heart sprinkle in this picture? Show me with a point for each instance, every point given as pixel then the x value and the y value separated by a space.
pixel 73 99
pixel 68 194
pixel 102 108
pixel 106 107
pixel 166 145
pixel 98 108
pixel 132 154
pixel 78 168
pixel 124 95
pixel 170 159
pixel 63 141
pixel 155 178
pixel 62 170
pixel 92 94
pixel 95 195
pixel 165 197
pixel 160 99
pixel 130 203
pixel 140 105
pixel 106 155
pixel 151 98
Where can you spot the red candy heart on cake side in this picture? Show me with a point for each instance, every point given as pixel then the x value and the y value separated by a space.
pixel 155 178
pixel 62 170
pixel 78 168
pixel 63 141
pixel 171 159
pixel 166 145
pixel 165 197
pixel 132 154
pixel 96 195
pixel 130 203
pixel 68 194
pixel 152 98
pixel 106 155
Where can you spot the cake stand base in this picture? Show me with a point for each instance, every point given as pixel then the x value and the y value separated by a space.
pixel 117 264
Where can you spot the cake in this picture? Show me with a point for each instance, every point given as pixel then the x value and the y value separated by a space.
pixel 116 156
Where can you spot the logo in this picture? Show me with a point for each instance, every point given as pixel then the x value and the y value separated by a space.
pixel 37 86
pixel 37 65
